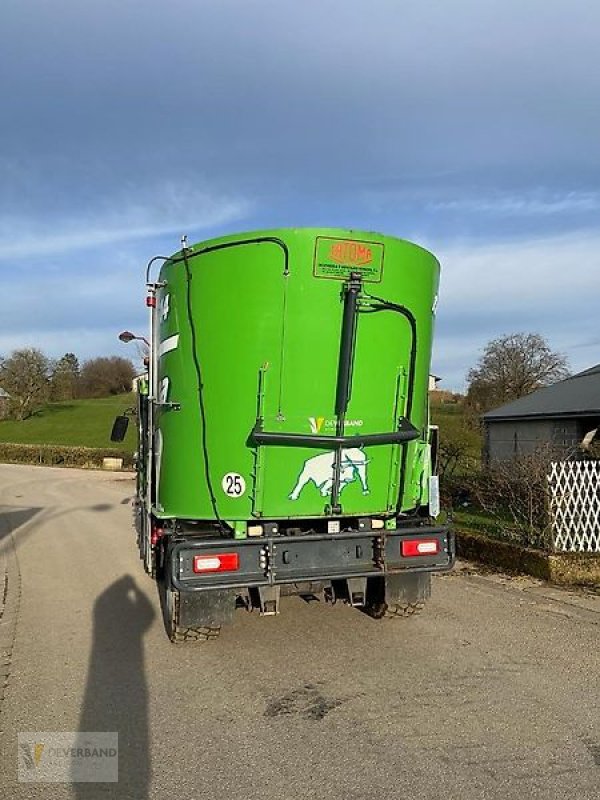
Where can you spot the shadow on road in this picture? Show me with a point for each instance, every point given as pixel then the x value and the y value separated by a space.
pixel 12 518
pixel 22 520
pixel 116 694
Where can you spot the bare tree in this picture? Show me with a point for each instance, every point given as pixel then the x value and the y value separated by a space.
pixel 65 377
pixel 24 375
pixel 101 377
pixel 511 367
pixel 453 454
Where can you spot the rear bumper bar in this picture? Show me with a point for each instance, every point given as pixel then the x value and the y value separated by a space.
pixel 276 560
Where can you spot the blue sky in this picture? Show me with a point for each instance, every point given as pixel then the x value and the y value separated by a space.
pixel 471 126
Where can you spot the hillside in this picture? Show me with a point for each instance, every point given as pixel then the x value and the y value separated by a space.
pixel 83 423
pixel 453 429
pixel 87 423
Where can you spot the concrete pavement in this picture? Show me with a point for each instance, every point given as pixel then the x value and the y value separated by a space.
pixel 492 693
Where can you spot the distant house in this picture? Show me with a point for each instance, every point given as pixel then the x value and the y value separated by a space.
pixel 433 383
pixel 562 415
pixel 4 403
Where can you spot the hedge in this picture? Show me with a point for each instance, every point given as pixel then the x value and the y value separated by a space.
pixel 51 455
pixel 565 569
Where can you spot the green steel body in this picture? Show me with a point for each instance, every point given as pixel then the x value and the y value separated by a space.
pixel 248 333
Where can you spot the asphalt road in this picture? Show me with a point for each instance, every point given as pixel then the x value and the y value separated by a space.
pixel 492 693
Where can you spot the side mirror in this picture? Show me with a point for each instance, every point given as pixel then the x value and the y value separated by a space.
pixel 119 429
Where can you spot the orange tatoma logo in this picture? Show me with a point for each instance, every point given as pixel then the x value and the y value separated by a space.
pixel 348 252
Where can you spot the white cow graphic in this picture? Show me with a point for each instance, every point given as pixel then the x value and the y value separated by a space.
pixel 319 470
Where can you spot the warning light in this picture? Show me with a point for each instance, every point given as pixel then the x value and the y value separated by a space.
pixel 223 562
pixel 419 547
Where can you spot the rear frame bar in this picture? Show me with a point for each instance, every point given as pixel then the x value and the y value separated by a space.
pixel 277 560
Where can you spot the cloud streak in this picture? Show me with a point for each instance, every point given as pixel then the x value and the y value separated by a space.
pixel 537 203
pixel 469 126
pixel 547 285
pixel 172 210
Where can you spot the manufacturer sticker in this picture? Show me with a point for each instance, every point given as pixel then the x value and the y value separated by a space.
pixel 337 258
pixel 317 424
pixel 233 484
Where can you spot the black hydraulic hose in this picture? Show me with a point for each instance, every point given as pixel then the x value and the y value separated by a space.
pixel 151 262
pixel 183 257
pixel 347 344
pixel 344 376
pixel 226 245
pixel 386 305
pixel 192 324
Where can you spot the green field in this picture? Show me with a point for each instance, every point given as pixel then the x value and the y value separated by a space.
pixel 83 423
pixel 87 423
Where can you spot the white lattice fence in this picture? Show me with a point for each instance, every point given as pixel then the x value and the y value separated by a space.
pixel 575 505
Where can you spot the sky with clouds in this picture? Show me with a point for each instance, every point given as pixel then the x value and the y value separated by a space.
pixel 471 127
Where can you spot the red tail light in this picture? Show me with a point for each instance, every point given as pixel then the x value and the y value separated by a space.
pixel 221 562
pixel 419 547
pixel 156 534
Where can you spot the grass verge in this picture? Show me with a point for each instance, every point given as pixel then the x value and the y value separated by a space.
pixel 73 423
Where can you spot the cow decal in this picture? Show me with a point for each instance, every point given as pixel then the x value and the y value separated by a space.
pixel 319 470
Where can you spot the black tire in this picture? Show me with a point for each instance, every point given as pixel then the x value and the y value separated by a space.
pixel 406 596
pixel 177 633
pixel 393 611
pixel 397 610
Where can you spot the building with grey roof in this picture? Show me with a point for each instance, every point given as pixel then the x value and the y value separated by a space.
pixel 561 415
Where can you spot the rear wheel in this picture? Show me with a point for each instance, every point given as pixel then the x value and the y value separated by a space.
pixel 394 610
pixel 178 633
pixel 397 596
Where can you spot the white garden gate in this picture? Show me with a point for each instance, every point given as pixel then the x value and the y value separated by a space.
pixel 575 506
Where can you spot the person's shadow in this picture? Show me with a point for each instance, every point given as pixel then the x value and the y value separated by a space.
pixel 116 694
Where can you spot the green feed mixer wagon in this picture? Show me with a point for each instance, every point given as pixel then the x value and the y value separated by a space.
pixel 284 436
